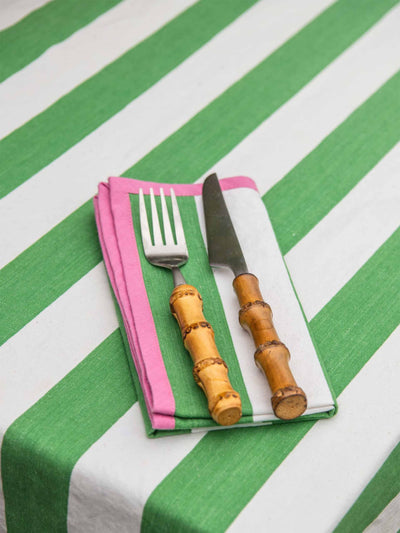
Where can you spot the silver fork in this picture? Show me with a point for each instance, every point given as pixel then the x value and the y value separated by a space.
pixel 168 255
pixel 210 370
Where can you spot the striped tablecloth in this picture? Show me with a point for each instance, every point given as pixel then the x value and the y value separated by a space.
pixel 304 97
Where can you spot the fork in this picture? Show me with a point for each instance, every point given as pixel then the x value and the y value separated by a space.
pixel 210 371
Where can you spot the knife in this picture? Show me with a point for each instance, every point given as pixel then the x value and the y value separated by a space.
pixel 271 356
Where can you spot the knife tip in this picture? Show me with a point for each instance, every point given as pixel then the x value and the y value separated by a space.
pixel 210 177
pixel 211 183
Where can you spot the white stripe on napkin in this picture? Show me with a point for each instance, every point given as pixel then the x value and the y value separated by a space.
pixel 263 257
pixel 69 63
pixel 54 192
pixel 336 458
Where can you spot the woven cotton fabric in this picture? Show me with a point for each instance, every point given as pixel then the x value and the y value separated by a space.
pixel 301 96
pixel 161 369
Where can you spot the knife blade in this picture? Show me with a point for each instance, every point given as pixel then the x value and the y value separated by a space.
pixel 271 356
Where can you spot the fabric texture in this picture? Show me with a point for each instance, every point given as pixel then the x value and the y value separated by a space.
pixel 162 369
pixel 303 97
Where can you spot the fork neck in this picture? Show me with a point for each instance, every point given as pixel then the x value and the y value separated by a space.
pixel 178 277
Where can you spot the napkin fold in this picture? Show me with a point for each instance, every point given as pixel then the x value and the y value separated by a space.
pixel 170 400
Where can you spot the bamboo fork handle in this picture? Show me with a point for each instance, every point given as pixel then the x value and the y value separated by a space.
pixel 210 370
pixel 271 356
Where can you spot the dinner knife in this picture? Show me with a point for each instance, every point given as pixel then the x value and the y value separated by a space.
pixel 271 356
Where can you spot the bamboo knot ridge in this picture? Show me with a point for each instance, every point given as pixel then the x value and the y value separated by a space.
pixel 255 303
pixel 187 329
pixel 227 395
pixel 282 392
pixel 184 292
pixel 204 363
pixel 267 345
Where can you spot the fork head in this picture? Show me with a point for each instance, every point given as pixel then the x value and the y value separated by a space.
pixel 166 252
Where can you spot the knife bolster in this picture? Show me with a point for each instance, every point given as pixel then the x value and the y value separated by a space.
pixel 271 356
pixel 210 370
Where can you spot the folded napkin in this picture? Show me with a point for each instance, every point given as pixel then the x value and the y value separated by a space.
pixel 170 400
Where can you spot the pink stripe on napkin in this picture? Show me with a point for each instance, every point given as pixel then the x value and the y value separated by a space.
pixel 121 256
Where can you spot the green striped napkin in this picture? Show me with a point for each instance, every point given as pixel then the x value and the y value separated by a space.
pixel 161 367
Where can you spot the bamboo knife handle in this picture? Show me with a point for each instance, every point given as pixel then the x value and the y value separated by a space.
pixel 288 400
pixel 210 370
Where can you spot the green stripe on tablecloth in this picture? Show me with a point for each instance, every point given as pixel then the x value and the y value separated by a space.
pixel 192 150
pixel 235 465
pixel 189 399
pixel 362 320
pixel 379 492
pixel 28 39
pixel 247 103
pixel 296 203
pixel 57 261
pixel 261 442
pixel 41 447
pixel 33 146
pixel 72 393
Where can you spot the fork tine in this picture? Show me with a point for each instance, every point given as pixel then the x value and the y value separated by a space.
pixel 144 223
pixel 180 236
pixel 156 224
pixel 169 238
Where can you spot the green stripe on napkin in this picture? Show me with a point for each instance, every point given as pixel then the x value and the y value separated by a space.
pixel 190 402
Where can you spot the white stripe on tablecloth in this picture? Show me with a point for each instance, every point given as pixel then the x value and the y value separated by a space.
pixel 12 11
pixel 88 502
pixel 337 458
pixel 95 289
pixel 43 352
pixel 126 465
pixel 53 193
pixel 332 252
pixel 296 128
pixel 53 343
pixel 66 65
pixel 388 521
